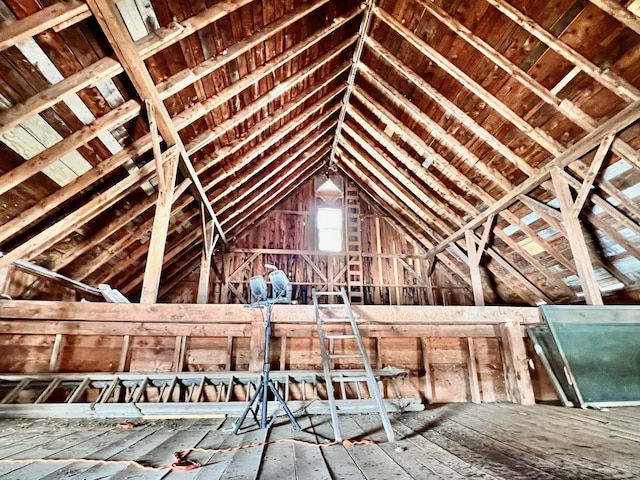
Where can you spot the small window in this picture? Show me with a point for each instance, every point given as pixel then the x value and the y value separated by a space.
pixel 329 223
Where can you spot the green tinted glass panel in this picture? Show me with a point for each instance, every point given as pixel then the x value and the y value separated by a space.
pixel 601 347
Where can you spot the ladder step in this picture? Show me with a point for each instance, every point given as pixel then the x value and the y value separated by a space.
pixel 335 320
pixel 335 336
pixel 342 378
pixel 345 355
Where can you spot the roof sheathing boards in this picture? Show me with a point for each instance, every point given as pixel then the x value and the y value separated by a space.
pixel 452 121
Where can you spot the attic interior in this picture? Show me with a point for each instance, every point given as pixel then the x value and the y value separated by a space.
pixel 466 172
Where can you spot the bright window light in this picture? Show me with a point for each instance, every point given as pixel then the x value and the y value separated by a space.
pixel 329 223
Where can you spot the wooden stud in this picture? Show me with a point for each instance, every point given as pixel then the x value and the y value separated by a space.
pixel 124 365
pixel 56 353
pixel 179 354
pixel 429 393
pixel 474 385
pixel 594 168
pixel 474 268
pixel 576 240
pixel 153 267
pixel 518 380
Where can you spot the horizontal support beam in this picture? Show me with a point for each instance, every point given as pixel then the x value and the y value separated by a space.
pixel 231 314
pixel 49 17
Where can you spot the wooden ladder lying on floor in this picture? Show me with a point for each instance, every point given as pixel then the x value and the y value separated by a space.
pixel 329 329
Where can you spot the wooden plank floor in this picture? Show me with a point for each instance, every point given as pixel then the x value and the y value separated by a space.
pixel 490 441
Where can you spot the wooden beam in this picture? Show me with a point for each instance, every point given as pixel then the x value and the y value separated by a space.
pixel 30 167
pixel 266 172
pixel 43 207
pixel 188 240
pixel 56 353
pixel 118 36
pixel 160 39
pixel 199 110
pixel 620 13
pixel 590 177
pixel 564 106
pixel 153 267
pixel 475 256
pixel 474 385
pixel 39 311
pixel 94 74
pixel 576 241
pixel 536 135
pixel 606 78
pixel 48 17
pixel 539 136
pixel 286 133
pixel 518 380
pixel 263 125
pixel 461 203
pixel 355 62
pixel 55 277
pixel 209 240
pixel 270 197
pixel 184 78
pixel 120 245
pixel 618 122
pixel 59 230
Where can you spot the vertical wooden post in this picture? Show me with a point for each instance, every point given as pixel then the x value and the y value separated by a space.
pixel 428 387
pixel 577 243
pixel 229 361
pixel 4 278
pixel 256 360
pixel 153 267
pixel 519 387
pixel 396 275
pixel 283 353
pixel 179 354
pixel 474 269
pixel 474 255
pixel 209 241
pixel 56 353
pixel 125 355
pixel 474 386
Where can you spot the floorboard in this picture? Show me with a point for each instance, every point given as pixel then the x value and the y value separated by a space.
pixel 486 441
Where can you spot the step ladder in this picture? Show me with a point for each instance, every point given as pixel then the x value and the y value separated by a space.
pixel 337 322
pixel 355 282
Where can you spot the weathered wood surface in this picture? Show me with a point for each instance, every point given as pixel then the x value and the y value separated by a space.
pixel 491 442
pixel 212 314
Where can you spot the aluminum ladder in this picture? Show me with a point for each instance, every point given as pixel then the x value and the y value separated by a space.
pixel 341 323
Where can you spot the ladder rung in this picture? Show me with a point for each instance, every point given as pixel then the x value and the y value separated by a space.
pixel 341 378
pixel 335 320
pixel 335 336
pixel 345 355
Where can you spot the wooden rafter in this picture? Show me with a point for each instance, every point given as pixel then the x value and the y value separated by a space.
pixel 61 13
pixel 606 78
pixel 56 232
pixel 118 36
pixel 355 62
pixel 618 122
pixel 449 170
pixel 114 118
